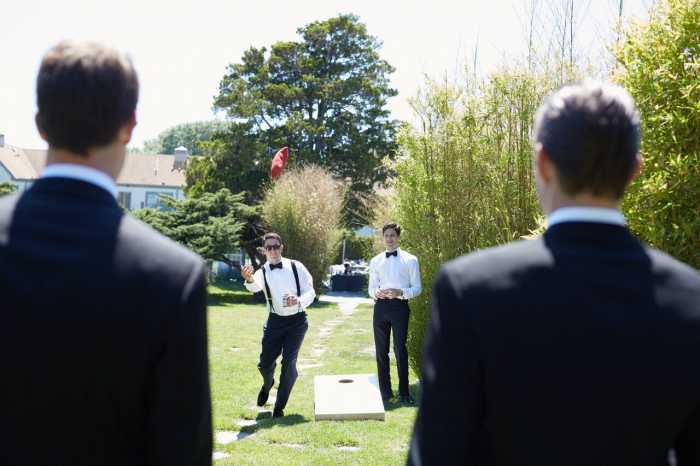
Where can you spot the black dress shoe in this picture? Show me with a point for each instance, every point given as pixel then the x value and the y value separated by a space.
pixel 277 412
pixel 264 394
pixel 407 400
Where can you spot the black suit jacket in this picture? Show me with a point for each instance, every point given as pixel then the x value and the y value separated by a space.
pixel 579 348
pixel 103 346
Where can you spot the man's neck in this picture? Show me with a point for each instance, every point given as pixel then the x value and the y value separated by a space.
pixel 275 261
pixel 392 249
pixel 583 200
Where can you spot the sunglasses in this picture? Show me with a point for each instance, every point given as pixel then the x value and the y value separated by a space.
pixel 272 247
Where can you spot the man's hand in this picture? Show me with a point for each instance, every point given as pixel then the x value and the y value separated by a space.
pixel 291 301
pixel 247 272
pixel 388 293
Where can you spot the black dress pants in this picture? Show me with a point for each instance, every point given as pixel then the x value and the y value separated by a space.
pixel 391 315
pixel 282 335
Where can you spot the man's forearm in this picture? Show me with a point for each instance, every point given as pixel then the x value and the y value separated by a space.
pixel 410 292
pixel 251 286
pixel 307 298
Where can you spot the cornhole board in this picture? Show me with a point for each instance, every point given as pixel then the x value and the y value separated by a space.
pixel 350 396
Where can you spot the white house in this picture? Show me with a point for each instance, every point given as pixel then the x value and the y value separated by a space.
pixel 141 182
pixel 143 179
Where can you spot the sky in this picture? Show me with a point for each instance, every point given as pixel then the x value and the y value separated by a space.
pixel 181 48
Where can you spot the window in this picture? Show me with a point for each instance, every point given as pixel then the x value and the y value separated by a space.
pixel 154 201
pixel 124 199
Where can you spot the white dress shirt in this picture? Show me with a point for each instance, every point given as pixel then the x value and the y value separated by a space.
pixel 282 282
pixel 400 272
pixel 82 173
pixel 586 214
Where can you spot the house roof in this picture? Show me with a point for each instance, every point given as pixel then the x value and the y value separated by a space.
pixel 151 170
pixel 16 162
pixel 143 170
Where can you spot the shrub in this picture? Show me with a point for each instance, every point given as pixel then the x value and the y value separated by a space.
pixel 7 187
pixel 209 225
pixel 660 66
pixel 304 207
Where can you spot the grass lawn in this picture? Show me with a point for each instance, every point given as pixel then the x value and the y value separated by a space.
pixel 235 331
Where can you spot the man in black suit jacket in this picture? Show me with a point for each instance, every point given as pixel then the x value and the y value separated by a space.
pixel 103 344
pixel 577 348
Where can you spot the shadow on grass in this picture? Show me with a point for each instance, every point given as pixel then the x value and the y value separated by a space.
pixel 224 293
pixel 265 421
pixel 394 403
pixel 227 298
pixel 321 305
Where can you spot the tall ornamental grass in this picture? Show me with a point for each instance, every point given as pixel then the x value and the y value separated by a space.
pixel 464 177
pixel 304 207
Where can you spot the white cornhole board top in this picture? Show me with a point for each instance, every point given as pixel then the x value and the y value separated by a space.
pixel 336 400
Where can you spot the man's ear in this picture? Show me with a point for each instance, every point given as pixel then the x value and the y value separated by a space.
pixel 544 165
pixel 125 132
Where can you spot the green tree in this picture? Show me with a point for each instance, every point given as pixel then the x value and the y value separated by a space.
pixel 7 187
pixel 324 96
pixel 189 135
pixel 209 225
pixel 306 219
pixel 233 161
pixel 659 64
pixel 356 247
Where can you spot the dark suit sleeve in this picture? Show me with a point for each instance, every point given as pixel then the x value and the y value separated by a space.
pixel 688 443
pixel 447 420
pixel 180 423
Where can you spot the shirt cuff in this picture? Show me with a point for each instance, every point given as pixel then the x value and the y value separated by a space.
pixel 252 287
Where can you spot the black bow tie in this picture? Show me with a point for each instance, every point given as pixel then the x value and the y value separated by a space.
pixel 276 266
pixel 393 253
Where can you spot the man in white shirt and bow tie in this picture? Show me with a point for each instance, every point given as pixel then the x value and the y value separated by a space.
pixel 289 290
pixel 394 278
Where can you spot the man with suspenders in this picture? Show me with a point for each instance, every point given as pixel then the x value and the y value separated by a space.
pixel 289 289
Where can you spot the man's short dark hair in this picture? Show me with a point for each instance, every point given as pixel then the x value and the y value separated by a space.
pixel 590 131
pixel 272 235
pixel 85 92
pixel 392 226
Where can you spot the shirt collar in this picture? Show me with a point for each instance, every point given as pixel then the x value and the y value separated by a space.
pixel 82 173
pixel 586 214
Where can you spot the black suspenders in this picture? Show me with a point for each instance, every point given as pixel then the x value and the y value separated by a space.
pixel 296 277
pixel 268 295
